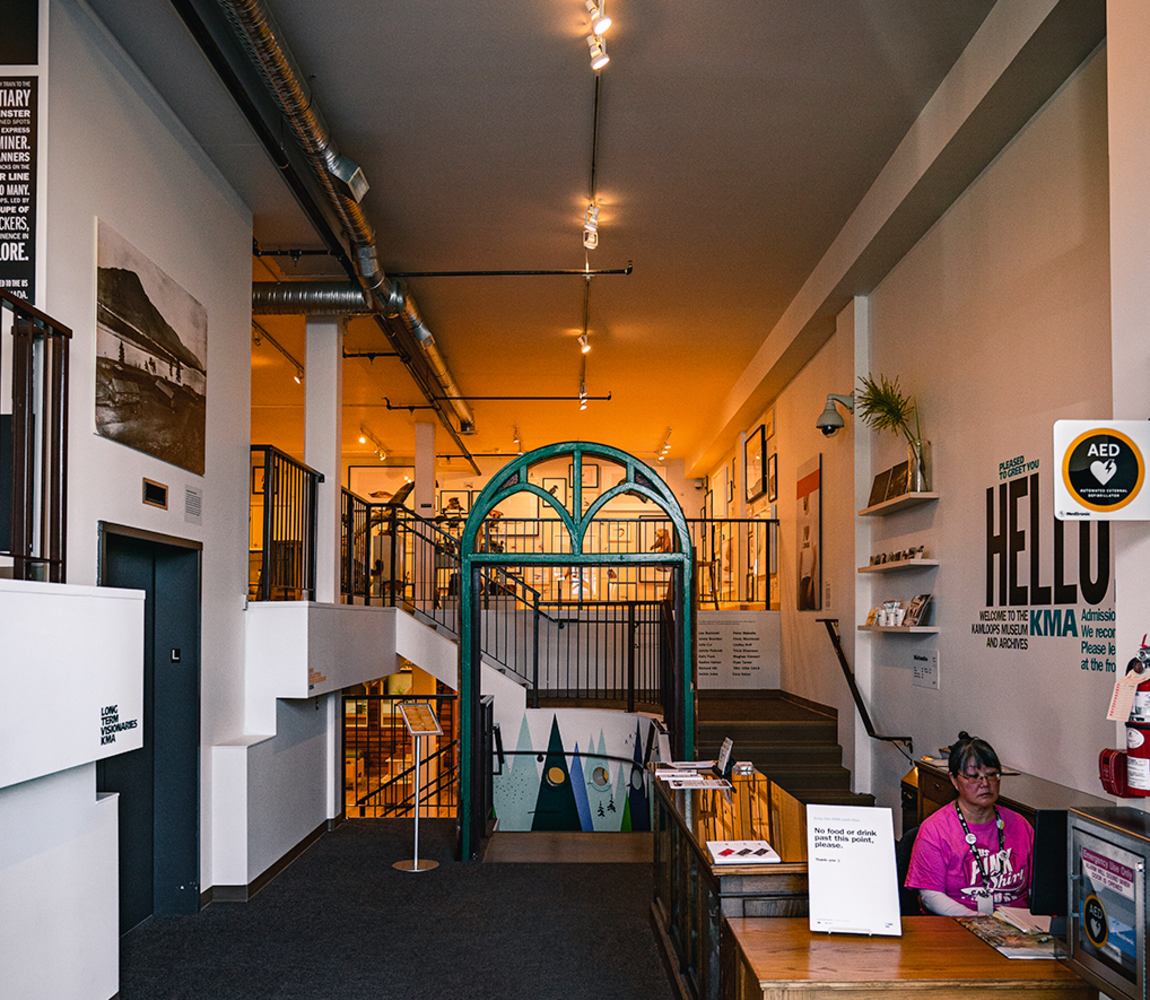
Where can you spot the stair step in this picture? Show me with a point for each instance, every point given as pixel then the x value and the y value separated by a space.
pixel 831 797
pixel 778 732
pixel 808 777
pixel 773 754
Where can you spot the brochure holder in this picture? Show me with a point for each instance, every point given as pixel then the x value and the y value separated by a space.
pixel 420 721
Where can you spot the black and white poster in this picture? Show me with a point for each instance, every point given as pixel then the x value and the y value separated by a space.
pixel 151 357
pixel 18 186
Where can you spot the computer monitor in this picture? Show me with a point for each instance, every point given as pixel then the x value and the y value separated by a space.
pixel 1049 889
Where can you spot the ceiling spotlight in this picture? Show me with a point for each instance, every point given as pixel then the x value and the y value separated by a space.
pixel 362 436
pixel 590 239
pixel 584 343
pixel 298 376
pixel 591 222
pixel 599 57
pixel 600 22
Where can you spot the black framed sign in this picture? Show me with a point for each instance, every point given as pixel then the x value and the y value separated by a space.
pixel 755 463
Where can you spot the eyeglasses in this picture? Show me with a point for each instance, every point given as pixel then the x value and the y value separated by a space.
pixel 990 777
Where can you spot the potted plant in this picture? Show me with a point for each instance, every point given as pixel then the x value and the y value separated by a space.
pixel 883 405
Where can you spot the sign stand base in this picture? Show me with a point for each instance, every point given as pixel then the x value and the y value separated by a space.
pixel 416 865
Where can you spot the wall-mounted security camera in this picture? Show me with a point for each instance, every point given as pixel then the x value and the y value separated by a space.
pixel 830 420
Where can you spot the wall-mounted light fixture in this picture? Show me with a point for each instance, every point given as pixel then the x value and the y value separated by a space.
pixel 830 420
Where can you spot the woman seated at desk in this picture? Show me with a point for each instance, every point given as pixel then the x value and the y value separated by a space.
pixel 972 855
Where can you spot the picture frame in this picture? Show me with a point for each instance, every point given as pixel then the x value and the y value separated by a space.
pixel 918 611
pixel 455 502
pixel 258 474
pixel 755 464
pixel 557 487
pixel 590 475
pixel 879 487
pixel 772 478
pixel 898 480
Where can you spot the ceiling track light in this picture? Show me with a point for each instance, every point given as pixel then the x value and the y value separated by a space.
pixel 600 22
pixel 598 47
pixel 584 343
pixel 666 444
pixel 591 222
pixel 365 435
pixel 259 335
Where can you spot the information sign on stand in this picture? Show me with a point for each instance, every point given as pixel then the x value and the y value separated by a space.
pixel 420 721
pixel 851 870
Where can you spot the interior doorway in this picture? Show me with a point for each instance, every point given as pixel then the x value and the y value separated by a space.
pixel 159 783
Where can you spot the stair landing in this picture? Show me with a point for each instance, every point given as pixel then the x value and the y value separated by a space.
pixel 792 741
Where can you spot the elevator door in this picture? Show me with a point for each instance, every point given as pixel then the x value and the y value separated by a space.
pixel 159 783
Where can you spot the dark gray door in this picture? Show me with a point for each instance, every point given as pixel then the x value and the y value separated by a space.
pixel 159 783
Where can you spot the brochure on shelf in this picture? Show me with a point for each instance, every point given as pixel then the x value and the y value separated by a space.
pixel 743 852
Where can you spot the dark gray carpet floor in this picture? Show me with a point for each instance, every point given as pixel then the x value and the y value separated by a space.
pixel 341 923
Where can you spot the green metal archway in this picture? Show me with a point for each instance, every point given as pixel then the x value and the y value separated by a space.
pixel 637 478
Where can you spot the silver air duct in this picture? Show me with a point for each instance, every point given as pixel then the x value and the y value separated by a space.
pixel 343 185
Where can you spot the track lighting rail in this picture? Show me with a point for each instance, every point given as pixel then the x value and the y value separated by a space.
pixel 585 272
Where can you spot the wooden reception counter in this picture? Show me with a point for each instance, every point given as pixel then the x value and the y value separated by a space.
pixel 693 895
pixel 935 959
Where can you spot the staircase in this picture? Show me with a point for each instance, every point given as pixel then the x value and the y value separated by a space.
pixel 793 742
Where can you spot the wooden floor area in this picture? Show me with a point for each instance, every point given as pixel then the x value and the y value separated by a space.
pixel 543 846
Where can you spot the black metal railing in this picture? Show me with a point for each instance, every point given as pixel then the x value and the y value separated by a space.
pixel 282 545
pixel 379 764
pixel 34 443
pixel 393 556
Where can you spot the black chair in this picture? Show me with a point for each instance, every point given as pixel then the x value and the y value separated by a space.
pixel 908 901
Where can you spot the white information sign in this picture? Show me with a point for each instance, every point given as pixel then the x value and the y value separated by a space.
pixel 851 870
pixel 738 649
pixel 1101 470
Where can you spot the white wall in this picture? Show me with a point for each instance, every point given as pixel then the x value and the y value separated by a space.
pixel 116 154
pixel 998 322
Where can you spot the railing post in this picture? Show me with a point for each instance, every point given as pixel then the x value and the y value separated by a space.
pixel 535 652
pixel 630 656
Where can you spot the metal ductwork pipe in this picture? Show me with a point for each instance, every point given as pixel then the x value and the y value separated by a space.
pixel 342 184
pixel 339 298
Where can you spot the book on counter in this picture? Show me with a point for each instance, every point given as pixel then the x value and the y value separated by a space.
pixel 1003 934
pixel 743 852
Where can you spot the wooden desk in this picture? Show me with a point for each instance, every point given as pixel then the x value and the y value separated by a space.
pixel 692 895
pixel 780 959
pixel 927 787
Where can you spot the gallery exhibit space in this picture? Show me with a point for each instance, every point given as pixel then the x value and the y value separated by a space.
pixel 597 387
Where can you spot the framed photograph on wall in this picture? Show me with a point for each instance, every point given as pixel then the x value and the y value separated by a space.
pixel 557 487
pixel 772 478
pixel 755 464
pixel 809 542
pixel 379 483
pixel 590 475
pixel 455 501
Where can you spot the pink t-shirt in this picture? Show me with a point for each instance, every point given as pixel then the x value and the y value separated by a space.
pixel 942 860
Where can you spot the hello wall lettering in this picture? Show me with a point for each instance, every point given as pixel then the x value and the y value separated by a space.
pixel 1026 599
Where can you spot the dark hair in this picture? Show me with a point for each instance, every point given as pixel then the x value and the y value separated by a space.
pixel 968 748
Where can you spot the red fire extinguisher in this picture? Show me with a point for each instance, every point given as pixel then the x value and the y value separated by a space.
pixel 1127 773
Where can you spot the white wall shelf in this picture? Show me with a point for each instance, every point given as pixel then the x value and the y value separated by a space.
pixel 901 564
pixel 900 629
pixel 896 504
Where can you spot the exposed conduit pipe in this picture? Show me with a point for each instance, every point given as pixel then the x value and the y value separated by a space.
pixel 338 178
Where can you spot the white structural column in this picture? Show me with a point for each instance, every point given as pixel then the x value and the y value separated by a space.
pixel 425 469
pixel 1128 97
pixel 854 320
pixel 322 447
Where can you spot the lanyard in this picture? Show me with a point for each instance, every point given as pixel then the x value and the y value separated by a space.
pixel 970 839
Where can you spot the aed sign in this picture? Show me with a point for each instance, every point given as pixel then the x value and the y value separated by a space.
pixel 1102 469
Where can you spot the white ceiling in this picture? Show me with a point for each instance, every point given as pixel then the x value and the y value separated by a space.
pixel 735 139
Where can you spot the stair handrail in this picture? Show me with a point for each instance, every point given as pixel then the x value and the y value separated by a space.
pixel 832 625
